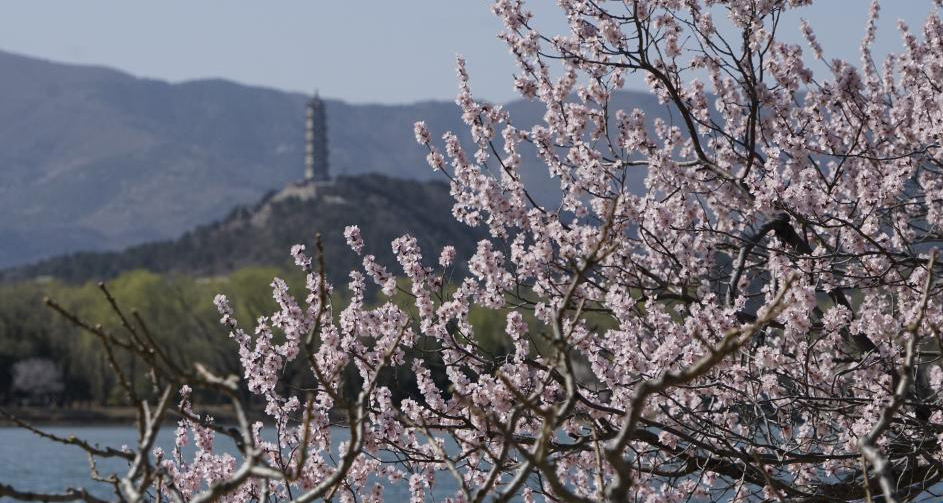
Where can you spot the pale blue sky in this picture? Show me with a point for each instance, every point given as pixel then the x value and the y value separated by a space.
pixel 379 51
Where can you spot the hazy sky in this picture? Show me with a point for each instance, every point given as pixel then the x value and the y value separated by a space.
pixel 380 51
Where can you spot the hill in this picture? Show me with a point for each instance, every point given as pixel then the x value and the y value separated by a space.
pixel 384 208
pixel 95 159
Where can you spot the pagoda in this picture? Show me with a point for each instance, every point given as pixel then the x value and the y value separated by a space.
pixel 316 163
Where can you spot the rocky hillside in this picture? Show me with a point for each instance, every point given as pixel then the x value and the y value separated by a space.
pixel 262 234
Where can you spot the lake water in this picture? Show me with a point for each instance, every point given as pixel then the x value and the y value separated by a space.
pixel 28 462
pixel 31 463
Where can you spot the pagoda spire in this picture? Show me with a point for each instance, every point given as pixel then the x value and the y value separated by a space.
pixel 316 163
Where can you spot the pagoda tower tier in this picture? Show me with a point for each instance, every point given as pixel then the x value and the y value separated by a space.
pixel 316 163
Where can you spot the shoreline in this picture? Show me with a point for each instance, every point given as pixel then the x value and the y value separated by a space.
pixel 103 416
pixel 117 415
pixel 49 416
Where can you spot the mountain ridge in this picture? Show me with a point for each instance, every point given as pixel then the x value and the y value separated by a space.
pixel 93 158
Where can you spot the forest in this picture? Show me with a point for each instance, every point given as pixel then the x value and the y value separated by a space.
pixel 47 360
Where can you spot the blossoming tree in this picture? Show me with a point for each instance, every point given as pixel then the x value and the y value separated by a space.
pixel 760 322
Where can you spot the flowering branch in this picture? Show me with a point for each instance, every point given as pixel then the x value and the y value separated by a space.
pixel 869 448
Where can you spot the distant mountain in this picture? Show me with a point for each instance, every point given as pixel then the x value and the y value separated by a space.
pixel 262 234
pixel 95 159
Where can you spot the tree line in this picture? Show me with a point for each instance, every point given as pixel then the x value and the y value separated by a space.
pixel 47 360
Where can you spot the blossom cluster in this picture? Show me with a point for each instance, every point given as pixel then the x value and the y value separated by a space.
pixel 747 325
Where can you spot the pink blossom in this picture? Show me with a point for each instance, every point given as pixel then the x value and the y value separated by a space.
pixel 354 241
pixel 447 256
pixel 712 299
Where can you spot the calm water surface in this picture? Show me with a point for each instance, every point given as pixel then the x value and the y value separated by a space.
pixel 28 462
pixel 31 463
